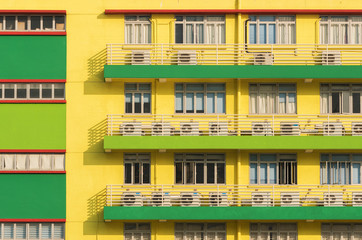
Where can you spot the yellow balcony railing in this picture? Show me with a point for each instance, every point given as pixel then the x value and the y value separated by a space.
pixel 234 195
pixel 234 125
pixel 233 54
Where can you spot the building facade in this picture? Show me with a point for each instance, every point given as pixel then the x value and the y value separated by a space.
pixel 181 120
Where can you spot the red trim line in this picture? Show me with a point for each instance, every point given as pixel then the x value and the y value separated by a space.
pixel 33 172
pixel 33 101
pixel 33 80
pixel 31 220
pixel 35 11
pixel 220 11
pixel 34 33
pixel 32 150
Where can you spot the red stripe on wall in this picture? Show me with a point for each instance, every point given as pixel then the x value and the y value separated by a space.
pixel 32 150
pixel 33 172
pixel 33 101
pixel 35 11
pixel 34 33
pixel 31 220
pixel 33 80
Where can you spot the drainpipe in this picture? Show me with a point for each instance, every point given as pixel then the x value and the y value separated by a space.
pixel 246 34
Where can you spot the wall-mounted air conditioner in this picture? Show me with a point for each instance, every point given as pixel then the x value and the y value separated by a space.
pixel 132 199
pixel 331 58
pixel 265 58
pixel 261 129
pixel 161 199
pixel 289 129
pixel 186 58
pixel 357 199
pixel 161 129
pixel 131 129
pixel 218 199
pixel 140 57
pixel 332 129
pixel 289 199
pixel 333 199
pixel 357 129
pixel 260 199
pixel 190 199
pixel 218 128
pixel 189 129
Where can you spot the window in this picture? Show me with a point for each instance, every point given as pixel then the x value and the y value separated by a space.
pixel 199 168
pixel 341 169
pixel 137 231
pixel 340 30
pixel 200 29
pixel 32 162
pixel 273 98
pixel 341 98
pixel 273 169
pixel 32 91
pixel 273 231
pixel 200 98
pixel 272 30
pixel 197 231
pixel 341 231
pixel 32 23
pixel 137 168
pixel 138 97
pixel 46 231
pixel 137 29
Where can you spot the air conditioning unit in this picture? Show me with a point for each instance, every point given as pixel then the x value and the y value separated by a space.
pixel 331 58
pixel 186 58
pixel 260 199
pixel 218 129
pixel 132 199
pixel 218 199
pixel 357 199
pixel 289 129
pixel 131 129
pixel 265 58
pixel 261 129
pixel 190 199
pixel 139 57
pixel 357 129
pixel 333 199
pixel 189 129
pixel 161 129
pixel 289 199
pixel 333 129
pixel 161 199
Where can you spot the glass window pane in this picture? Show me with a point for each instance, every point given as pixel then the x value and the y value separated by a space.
pixel 252 33
pixel 59 91
pixel 210 172
pixel 356 101
pixel 210 103
pixel 200 103
pixel 136 173
pixel 33 231
pixel 179 33
pixel 46 91
pixel 220 103
pixel 146 173
pixel 34 90
pixel 145 87
pixel 20 231
pixel 35 23
pixel 271 34
pixel 48 23
pixel 179 173
pixel 21 90
pixel 263 173
pixel 268 157
pixel 10 22
pixel 272 173
pixel 215 87
pixel 262 33
pixel 9 91
pixel 220 173
pixel 58 231
pixel 127 173
pixel 179 103
pixel 146 103
pixel 287 87
pixel 128 102
pixel 195 87
pixel 137 103
pixel 335 102
pixel 199 173
pixel 8 231
pixel 59 23
pixel 266 18
pixel 189 103
pixel 46 231
pixel 22 23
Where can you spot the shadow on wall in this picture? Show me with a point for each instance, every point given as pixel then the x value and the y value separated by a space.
pixel 96 135
pixel 95 206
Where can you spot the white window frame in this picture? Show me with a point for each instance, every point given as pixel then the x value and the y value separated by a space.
pixel 27 157
pixel 132 24
pixel 278 23
pixel 28 23
pixel 137 231
pixel 278 231
pixel 350 92
pixel 205 232
pixel 279 160
pixel 219 39
pixel 28 232
pixel 205 92
pixel 137 91
pixel 28 86
pixel 141 159
pixel 328 231
pixel 276 93
pixel 349 24
pixel 203 158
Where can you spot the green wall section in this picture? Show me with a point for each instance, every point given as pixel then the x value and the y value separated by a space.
pixel 32 196
pixel 233 142
pixel 232 71
pixel 32 126
pixel 232 213
pixel 33 57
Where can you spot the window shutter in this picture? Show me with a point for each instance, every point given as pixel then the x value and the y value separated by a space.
pixel 46 231
pixel 8 231
pixel 20 231
pixel 33 231
pixel 58 231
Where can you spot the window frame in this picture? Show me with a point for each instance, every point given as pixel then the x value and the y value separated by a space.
pixel 133 23
pixel 28 22
pixel 28 87
pixel 205 230
pixel 137 231
pixel 14 160
pixel 137 91
pixel 27 230
pixel 330 232
pixel 204 160
pixel 141 163
pixel 278 230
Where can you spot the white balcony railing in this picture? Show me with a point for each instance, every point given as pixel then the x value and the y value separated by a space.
pixel 233 195
pixel 233 54
pixel 234 125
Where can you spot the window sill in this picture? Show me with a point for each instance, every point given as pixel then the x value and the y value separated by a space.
pixel 291 115
pixel 32 80
pixel 33 101
pixel 32 172
pixel 34 33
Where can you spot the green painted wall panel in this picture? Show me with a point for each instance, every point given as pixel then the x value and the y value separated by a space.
pixel 232 71
pixel 233 142
pixel 32 126
pixel 232 213
pixel 32 196
pixel 33 57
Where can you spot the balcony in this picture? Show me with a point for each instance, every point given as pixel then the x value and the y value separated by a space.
pixel 233 202
pixel 233 61
pixel 233 132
